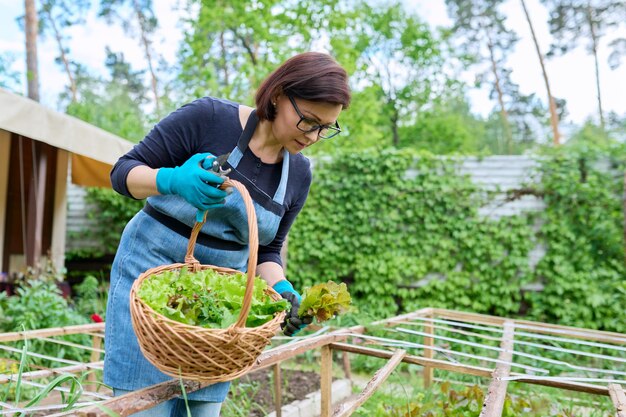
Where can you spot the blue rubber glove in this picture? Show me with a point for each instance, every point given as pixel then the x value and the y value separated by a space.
pixel 192 182
pixel 293 323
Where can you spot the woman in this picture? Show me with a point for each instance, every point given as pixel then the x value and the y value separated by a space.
pixel 298 104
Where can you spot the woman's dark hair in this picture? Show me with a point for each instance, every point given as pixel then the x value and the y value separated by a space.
pixel 312 76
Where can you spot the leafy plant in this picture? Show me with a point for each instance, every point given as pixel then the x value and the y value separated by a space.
pixel 207 298
pixel 324 301
pixel 404 231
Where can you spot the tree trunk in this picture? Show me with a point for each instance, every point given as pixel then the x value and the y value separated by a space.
pixel 554 118
pixel 624 215
pixel 31 28
pixel 594 47
pixel 66 63
pixel 223 47
pixel 394 124
pixel 146 46
pixel 503 113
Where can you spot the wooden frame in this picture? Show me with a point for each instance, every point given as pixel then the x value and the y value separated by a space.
pixel 434 322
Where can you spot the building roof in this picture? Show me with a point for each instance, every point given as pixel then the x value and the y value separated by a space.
pixel 93 150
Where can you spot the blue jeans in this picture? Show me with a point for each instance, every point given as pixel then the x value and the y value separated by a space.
pixel 176 408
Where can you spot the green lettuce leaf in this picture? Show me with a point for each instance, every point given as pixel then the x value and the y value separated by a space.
pixel 208 298
pixel 325 301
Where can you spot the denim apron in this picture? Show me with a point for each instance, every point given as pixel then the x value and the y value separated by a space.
pixel 153 238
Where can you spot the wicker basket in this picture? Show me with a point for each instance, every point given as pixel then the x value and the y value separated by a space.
pixel 197 353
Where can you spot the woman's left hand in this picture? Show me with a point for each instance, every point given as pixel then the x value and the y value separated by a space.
pixel 293 322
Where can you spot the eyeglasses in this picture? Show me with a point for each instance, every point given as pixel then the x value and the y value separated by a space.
pixel 307 125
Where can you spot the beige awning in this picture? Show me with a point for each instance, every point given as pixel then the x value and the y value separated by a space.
pixel 94 150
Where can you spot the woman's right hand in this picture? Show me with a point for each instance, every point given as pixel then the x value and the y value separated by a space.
pixel 192 182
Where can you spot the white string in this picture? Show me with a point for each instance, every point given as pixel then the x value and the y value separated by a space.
pixel 37 355
pixel 44 407
pixel 404 344
pixel 527 355
pixel 518 333
pixel 561 379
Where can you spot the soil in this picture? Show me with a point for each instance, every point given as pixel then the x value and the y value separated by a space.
pixel 296 385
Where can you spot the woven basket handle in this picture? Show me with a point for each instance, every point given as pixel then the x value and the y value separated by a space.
pixel 253 242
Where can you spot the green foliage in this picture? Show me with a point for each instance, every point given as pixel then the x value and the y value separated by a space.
pixel 381 229
pixel 38 304
pixel 583 270
pixel 325 301
pixel 207 298
pixel 112 213
pixel 403 231
pixel 91 297
pixel 446 128
pixel 9 78
pixel 450 399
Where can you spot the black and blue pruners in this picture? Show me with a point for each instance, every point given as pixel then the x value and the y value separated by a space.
pixel 218 164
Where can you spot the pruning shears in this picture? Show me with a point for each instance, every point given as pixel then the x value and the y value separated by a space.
pixel 215 165
pixel 218 164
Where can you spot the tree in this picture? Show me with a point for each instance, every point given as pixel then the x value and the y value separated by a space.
pixel 401 57
pixel 554 118
pixel 145 20
pixel 9 78
pixel 618 50
pixel 481 26
pixel 113 104
pixel 230 46
pixel 32 69
pixel 572 21
pixel 445 128
pixel 56 15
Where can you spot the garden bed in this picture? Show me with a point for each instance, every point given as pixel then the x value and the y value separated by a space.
pixel 253 394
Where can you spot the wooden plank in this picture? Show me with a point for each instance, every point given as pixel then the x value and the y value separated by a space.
pixel 346 409
pixel 494 402
pixel 326 382
pixel 415 360
pixel 5 163
pixel 346 365
pixel 54 331
pixel 473 370
pixel 537 327
pixel 428 353
pixel 36 204
pixel 59 212
pixel 95 356
pixel 278 390
pixel 619 399
pixel 150 396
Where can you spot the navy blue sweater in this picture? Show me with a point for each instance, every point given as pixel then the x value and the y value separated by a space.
pixel 212 125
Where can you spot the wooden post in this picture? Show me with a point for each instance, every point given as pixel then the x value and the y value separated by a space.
pixel 346 365
pixel 95 357
pixel 428 353
pixel 278 390
pixel 494 402
pixel 380 376
pixel 326 381
pixel 619 399
pixel 36 205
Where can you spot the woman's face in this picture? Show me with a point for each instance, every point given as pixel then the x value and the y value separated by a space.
pixel 295 115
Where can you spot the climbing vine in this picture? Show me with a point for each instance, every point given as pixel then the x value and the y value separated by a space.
pixel 583 229
pixel 106 222
pixel 404 231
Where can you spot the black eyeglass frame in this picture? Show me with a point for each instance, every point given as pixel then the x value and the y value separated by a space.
pixel 334 130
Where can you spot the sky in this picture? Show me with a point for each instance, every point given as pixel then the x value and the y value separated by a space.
pixel 571 76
